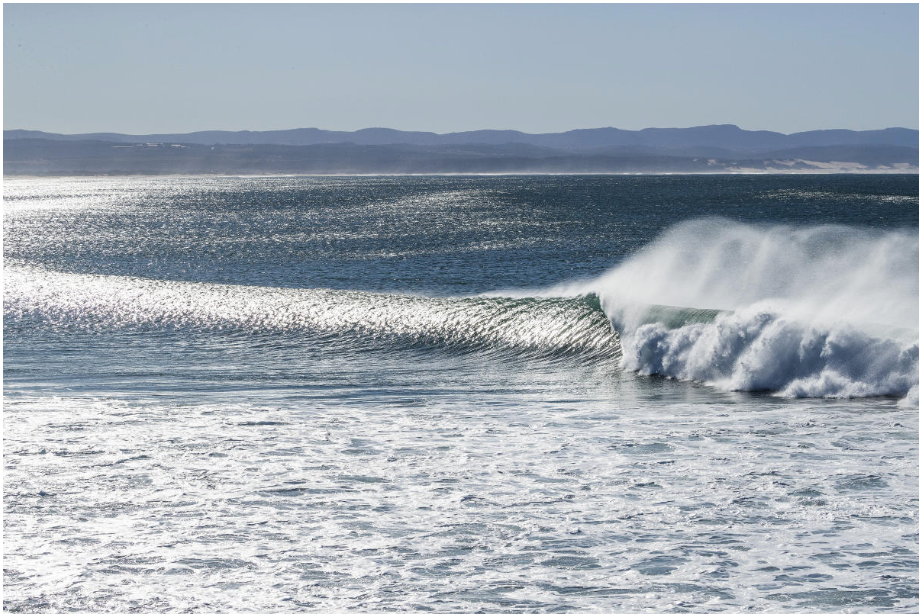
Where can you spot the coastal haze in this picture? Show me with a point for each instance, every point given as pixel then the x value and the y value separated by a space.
pixel 703 149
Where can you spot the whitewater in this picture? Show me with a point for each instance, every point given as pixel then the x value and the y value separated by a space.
pixel 501 394
pixel 805 311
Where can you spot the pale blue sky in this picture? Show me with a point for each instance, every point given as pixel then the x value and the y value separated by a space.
pixel 442 68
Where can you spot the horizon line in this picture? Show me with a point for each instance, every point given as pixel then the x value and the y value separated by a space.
pixel 369 128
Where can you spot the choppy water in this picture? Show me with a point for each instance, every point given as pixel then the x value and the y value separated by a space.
pixel 289 394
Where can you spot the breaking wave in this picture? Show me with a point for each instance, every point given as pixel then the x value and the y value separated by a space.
pixel 805 312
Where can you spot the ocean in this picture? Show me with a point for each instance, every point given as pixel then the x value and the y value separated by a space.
pixel 461 393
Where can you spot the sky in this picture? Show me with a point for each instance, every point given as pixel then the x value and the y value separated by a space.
pixel 138 69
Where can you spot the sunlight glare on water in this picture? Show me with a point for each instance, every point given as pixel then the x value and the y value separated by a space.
pixel 357 394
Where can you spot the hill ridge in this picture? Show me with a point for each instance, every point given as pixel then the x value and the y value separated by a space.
pixel 728 136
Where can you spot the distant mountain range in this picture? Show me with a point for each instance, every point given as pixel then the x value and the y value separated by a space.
pixel 726 136
pixel 717 148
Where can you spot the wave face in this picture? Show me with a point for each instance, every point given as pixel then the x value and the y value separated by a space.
pixel 820 311
pixel 517 326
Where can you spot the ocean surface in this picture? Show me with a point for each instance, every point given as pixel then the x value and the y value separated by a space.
pixel 461 394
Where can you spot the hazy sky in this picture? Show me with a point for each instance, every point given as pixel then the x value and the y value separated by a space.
pixel 442 68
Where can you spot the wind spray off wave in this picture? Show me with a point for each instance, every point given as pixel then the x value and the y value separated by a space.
pixel 817 311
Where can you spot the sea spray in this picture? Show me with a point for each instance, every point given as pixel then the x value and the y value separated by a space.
pixel 805 312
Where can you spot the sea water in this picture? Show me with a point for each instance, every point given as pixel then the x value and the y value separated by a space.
pixel 457 394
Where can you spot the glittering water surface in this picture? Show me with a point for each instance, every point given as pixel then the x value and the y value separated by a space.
pixel 283 394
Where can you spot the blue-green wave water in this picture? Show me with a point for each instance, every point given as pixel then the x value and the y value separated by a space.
pixel 455 394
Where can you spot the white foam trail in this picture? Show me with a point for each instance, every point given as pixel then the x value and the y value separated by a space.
pixel 816 311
